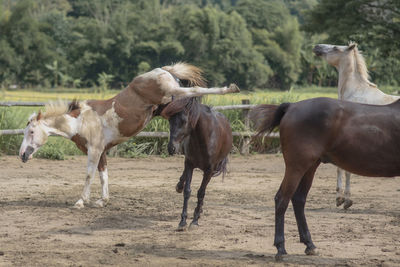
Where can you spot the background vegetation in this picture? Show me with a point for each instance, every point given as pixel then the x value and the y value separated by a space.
pixel 92 48
pixel 254 43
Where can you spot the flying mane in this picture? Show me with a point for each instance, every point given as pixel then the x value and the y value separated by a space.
pixel 60 107
pixel 361 67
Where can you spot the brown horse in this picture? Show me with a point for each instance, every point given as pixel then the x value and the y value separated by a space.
pixel 359 138
pixel 97 125
pixel 207 141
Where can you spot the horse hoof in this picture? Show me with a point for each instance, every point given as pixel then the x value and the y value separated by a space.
pixel 233 88
pixel 79 204
pixel 339 201
pixel 311 251
pixel 347 204
pixel 100 203
pixel 178 188
pixel 181 228
pixel 193 226
pixel 279 257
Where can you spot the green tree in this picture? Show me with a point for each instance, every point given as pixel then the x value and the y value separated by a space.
pixel 276 36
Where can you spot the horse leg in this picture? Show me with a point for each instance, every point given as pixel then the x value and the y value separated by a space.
pixel 339 190
pixel 187 175
pixel 199 91
pixel 182 179
pixel 299 200
pixel 287 189
pixel 103 172
pixel 200 198
pixel 93 161
pixel 347 201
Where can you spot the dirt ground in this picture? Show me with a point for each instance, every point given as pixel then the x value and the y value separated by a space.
pixel 39 227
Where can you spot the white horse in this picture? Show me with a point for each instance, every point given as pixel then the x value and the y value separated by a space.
pixel 97 125
pixel 353 85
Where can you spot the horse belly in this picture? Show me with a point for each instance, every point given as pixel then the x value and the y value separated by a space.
pixel 371 161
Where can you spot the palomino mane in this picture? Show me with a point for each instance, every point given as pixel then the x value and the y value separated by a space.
pixel 58 108
pixel 187 72
pixel 361 66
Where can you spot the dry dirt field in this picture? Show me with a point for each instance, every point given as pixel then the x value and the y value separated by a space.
pixel 39 227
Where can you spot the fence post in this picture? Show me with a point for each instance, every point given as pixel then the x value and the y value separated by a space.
pixel 244 149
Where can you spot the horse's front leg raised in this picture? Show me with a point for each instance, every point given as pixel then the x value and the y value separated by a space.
pixel 102 168
pixel 93 161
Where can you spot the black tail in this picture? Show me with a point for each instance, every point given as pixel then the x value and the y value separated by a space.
pixel 221 168
pixel 267 117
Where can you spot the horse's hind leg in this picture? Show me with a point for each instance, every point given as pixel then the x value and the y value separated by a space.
pixel 187 178
pixel 347 201
pixel 200 198
pixel 103 172
pixel 299 201
pixel 199 91
pixel 286 191
pixel 339 188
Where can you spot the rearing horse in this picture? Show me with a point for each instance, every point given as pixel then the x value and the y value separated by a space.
pixel 97 125
pixel 353 85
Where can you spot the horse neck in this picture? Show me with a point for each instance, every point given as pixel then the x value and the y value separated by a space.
pixel 203 125
pixel 62 125
pixel 350 78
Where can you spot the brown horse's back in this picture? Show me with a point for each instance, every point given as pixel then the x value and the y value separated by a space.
pixel 362 139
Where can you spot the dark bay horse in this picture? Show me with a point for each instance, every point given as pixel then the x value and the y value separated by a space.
pixel 97 125
pixel 207 140
pixel 359 138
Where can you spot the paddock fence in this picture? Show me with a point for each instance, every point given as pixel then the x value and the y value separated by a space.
pixel 245 107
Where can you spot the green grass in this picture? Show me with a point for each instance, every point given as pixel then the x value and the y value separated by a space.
pixel 58 148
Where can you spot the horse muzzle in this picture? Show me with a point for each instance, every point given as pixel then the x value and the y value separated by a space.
pixel 173 147
pixel 318 50
pixel 27 154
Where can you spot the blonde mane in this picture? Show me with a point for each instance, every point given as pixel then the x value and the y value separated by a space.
pixel 55 108
pixel 361 66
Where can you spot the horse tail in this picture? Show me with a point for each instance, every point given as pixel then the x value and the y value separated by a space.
pixel 187 72
pixel 221 168
pixel 267 117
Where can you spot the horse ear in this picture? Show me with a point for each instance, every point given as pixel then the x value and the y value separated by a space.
pixel 352 46
pixel 39 116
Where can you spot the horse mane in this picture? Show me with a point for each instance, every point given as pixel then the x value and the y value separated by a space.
pixel 189 105
pixel 187 72
pixel 361 66
pixel 58 108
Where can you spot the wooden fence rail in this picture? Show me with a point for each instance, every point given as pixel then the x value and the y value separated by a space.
pixel 245 107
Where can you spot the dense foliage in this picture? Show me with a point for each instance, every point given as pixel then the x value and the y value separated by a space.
pixel 254 43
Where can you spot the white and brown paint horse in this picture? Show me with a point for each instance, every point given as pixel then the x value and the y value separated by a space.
pixel 97 125
pixel 354 86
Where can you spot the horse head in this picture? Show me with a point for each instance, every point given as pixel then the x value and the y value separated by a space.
pixel 36 134
pixel 333 54
pixel 182 115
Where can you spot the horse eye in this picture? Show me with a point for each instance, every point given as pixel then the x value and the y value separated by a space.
pixel 31 132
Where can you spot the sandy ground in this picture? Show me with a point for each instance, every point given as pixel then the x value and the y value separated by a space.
pixel 39 227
